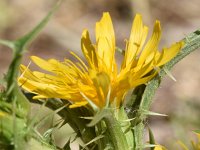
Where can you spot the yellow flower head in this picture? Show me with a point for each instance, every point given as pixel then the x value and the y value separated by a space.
pixel 100 80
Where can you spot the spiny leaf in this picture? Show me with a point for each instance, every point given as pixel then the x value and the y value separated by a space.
pixel 128 120
pixel 98 117
pixel 93 105
pixel 9 44
pixel 150 113
pixel 169 74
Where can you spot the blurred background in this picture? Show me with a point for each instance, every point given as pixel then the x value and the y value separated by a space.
pixel 180 100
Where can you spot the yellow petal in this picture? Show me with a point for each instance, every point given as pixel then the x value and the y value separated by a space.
pixel 43 64
pixel 46 78
pixel 78 104
pixel 142 80
pixel 104 28
pixel 27 73
pixel 138 73
pixel 152 44
pixel 105 39
pixel 167 54
pixel 137 38
pixel 101 82
pixel 38 76
pixel 89 50
pixel 44 89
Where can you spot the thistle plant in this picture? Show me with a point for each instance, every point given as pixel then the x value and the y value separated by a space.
pixel 91 97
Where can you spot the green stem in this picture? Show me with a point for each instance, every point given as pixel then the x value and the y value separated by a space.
pixel 116 134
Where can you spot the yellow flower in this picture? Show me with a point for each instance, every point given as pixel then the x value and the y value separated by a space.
pixel 101 79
